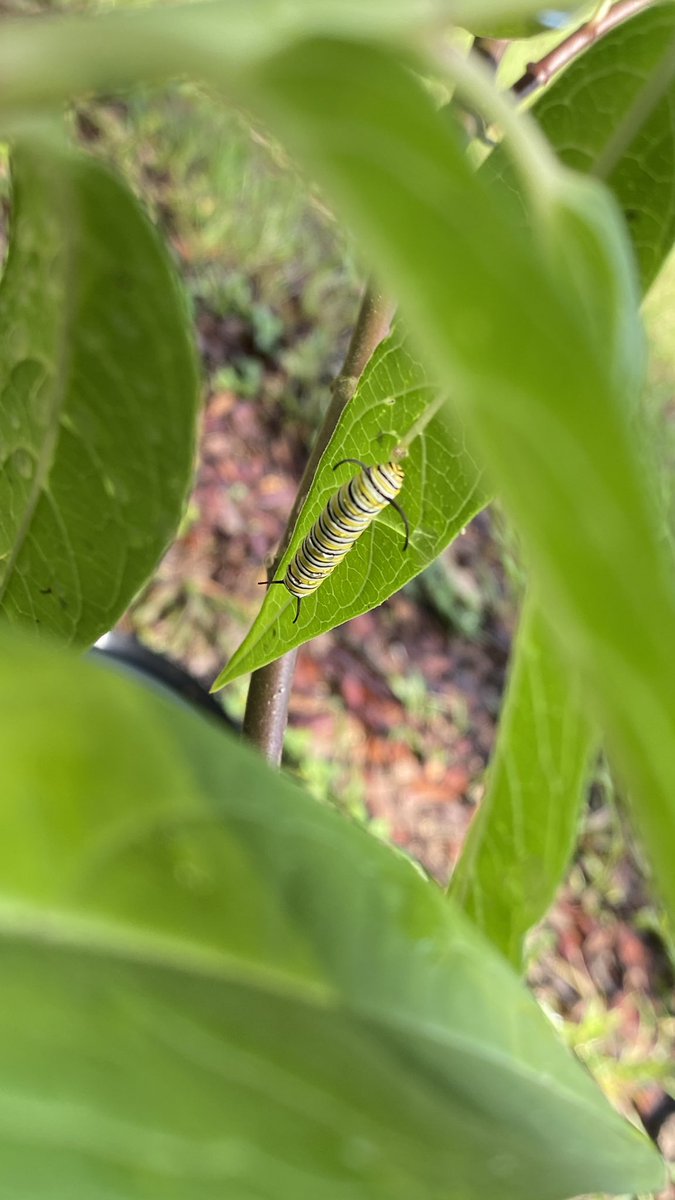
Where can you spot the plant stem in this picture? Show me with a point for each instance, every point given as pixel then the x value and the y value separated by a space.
pixel 270 688
pixel 266 713
pixel 538 74
pixel 372 325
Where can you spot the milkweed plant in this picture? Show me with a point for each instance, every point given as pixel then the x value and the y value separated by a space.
pixel 213 986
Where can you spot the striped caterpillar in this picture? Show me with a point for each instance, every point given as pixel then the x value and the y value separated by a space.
pixel 348 513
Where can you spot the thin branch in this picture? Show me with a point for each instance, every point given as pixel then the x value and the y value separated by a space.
pixel 266 713
pixel 372 325
pixel 538 74
pixel 270 689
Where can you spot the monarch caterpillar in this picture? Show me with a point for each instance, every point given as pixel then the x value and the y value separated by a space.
pixel 348 513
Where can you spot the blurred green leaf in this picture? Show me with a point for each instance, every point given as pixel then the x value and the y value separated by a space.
pixel 625 347
pixel 610 114
pixel 525 368
pixel 45 61
pixel 557 20
pixel 589 120
pixel 98 397
pixel 215 986
pixel 521 839
pixel 440 494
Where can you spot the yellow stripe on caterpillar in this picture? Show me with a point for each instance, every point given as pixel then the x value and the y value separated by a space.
pixel 347 515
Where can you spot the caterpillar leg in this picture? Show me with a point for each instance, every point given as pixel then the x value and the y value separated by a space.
pixel 406 522
pixel 269 582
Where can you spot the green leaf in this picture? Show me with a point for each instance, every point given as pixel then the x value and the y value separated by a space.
pixel 525 369
pixel 521 840
pixel 97 397
pixel 468 236
pixel 570 110
pixel 215 986
pixel 517 25
pixel 372 572
pixel 44 62
pixel 441 493
pixel 605 117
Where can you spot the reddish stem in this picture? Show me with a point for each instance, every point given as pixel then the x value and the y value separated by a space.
pixel 538 74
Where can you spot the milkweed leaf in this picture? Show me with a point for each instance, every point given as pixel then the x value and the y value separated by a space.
pixel 441 492
pixel 553 426
pixel 214 986
pixel 98 396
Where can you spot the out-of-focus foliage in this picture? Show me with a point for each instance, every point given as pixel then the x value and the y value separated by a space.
pixel 99 397
pixel 214 983
pixel 520 844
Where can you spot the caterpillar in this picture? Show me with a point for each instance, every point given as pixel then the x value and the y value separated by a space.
pixel 348 513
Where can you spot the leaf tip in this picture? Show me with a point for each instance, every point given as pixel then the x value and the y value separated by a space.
pixel 220 682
